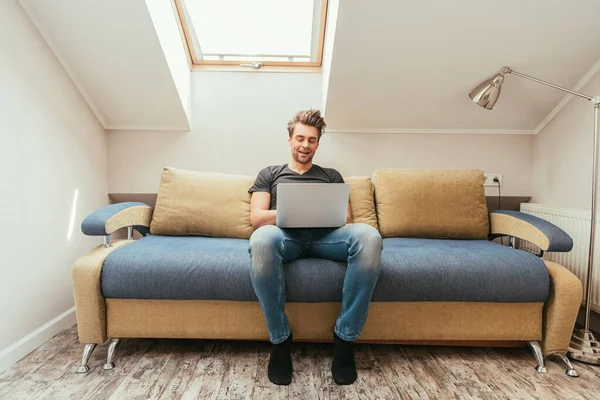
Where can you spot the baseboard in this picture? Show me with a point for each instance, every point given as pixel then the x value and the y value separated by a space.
pixel 32 341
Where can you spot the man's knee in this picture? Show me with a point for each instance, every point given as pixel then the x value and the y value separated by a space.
pixel 265 244
pixel 368 244
pixel 268 235
pixel 366 235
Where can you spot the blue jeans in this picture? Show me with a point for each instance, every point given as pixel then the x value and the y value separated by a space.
pixel 358 244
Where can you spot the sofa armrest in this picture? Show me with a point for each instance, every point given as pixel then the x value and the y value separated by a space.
pixel 116 216
pixel 543 234
pixel 561 308
pixel 90 306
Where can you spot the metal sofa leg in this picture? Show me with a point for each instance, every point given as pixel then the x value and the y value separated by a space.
pixel 88 349
pixel 570 370
pixel 114 343
pixel 537 352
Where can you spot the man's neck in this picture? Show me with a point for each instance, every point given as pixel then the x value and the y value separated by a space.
pixel 298 167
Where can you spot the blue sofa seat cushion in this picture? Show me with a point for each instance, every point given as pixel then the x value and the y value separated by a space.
pixel 460 270
pixel 205 268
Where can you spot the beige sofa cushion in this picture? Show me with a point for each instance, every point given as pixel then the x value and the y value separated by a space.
pixel 362 201
pixel 431 203
pixel 202 203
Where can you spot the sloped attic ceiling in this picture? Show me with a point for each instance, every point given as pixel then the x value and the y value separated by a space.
pixel 408 66
pixel 396 66
pixel 111 50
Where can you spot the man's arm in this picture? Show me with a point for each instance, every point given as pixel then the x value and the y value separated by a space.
pixel 349 214
pixel 260 214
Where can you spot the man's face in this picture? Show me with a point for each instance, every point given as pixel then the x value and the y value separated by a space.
pixel 304 143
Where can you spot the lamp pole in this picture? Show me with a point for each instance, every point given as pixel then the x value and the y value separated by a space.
pixel 583 346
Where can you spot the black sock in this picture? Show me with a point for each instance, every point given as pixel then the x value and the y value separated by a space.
pixel 343 367
pixel 280 363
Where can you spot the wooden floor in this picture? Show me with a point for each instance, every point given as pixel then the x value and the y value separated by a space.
pixel 204 369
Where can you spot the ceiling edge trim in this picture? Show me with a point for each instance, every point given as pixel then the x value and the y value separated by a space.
pixel 54 48
pixel 147 128
pixel 565 100
pixel 436 131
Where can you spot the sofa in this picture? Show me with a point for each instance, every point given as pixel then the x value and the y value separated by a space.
pixel 445 278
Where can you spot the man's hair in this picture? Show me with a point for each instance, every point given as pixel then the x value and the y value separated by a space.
pixel 309 118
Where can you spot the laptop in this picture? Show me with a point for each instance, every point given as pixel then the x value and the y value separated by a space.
pixel 312 205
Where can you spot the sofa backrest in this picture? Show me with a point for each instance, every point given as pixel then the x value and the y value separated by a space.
pixel 213 204
pixel 431 203
pixel 362 202
pixel 202 203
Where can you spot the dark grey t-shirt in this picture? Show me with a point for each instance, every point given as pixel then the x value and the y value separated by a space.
pixel 269 177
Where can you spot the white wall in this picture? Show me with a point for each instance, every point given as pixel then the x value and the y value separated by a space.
pixel 239 126
pixel 562 172
pixel 53 158
pixel 361 154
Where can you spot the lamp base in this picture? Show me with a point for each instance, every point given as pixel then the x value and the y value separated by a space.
pixel 584 347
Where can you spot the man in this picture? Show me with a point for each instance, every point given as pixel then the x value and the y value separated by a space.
pixel 270 247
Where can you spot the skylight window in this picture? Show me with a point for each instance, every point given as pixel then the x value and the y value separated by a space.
pixel 254 32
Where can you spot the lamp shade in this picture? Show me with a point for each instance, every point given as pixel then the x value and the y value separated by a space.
pixel 486 93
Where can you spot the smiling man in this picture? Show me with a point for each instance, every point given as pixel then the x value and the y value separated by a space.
pixel 270 247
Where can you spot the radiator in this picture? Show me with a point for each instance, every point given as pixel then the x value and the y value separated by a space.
pixel 577 224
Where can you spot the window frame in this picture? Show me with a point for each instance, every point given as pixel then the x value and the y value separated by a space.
pixel 201 64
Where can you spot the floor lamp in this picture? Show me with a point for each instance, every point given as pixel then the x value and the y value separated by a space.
pixel 584 346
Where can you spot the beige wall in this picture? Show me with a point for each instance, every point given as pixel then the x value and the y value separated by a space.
pixel 562 171
pixel 53 158
pixel 239 126
pixel 360 154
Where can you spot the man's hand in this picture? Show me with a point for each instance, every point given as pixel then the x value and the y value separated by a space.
pixel 260 215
